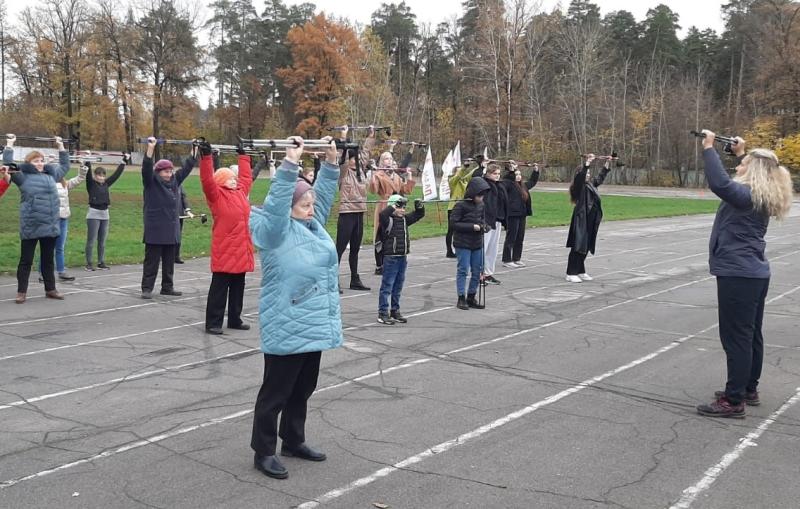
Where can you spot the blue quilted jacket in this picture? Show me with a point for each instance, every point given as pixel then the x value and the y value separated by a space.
pixel 39 203
pixel 299 301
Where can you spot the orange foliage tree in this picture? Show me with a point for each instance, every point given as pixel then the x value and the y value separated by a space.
pixel 326 58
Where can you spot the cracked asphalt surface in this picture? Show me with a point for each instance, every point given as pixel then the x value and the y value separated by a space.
pixel 557 395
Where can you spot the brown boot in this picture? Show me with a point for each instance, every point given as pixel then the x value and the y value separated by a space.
pixel 20 298
pixel 53 294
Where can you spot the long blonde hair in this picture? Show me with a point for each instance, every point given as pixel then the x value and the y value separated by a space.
pixel 770 183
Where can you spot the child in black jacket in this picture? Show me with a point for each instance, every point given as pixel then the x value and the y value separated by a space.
pixel 394 245
pixel 97 216
pixel 468 221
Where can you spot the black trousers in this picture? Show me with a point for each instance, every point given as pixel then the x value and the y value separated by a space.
pixel 47 248
pixel 153 255
pixel 741 313
pixel 575 263
pixel 515 236
pixel 350 230
pixel 225 288
pixel 289 380
pixel 448 239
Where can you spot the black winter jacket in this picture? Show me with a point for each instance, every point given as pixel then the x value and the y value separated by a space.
pixel 394 231
pixel 495 203
pixel 466 214
pixel 516 206
pixel 162 203
pixel 99 197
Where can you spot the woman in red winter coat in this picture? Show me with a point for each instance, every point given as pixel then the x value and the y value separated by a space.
pixel 231 245
pixel 5 178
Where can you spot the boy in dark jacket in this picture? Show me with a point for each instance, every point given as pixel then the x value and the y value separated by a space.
pixel 469 223
pixel 395 245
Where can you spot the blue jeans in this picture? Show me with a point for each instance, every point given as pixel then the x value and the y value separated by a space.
pixel 469 260
pixel 394 275
pixel 61 241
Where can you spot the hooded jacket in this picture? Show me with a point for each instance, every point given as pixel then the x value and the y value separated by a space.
pixel 516 206
pixel 39 203
pixel 458 184
pixel 466 214
pixel 162 203
pixel 231 245
pixel 299 300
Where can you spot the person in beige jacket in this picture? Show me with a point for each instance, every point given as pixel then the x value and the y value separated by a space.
pixel 386 180
pixel 352 207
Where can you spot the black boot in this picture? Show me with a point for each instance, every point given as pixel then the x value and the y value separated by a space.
pixel 356 284
pixel 462 303
pixel 471 302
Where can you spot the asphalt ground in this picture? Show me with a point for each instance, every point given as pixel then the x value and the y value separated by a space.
pixel 557 395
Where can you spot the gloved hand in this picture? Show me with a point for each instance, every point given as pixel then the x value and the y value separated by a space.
pixel 205 148
pixel 418 205
pixel 83 171
pixel 126 158
pixel 240 149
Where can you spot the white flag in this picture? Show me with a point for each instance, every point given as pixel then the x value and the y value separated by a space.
pixel 447 170
pixel 428 179
pixel 485 153
pixel 457 155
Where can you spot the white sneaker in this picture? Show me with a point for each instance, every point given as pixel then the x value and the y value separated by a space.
pixel 510 265
pixel 585 277
pixel 519 263
pixel 574 279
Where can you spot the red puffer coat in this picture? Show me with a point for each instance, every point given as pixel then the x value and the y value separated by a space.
pixel 3 186
pixel 231 245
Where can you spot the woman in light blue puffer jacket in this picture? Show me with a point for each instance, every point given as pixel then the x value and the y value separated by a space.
pixel 299 311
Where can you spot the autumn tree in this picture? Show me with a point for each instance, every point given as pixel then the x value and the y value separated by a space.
pixel 326 57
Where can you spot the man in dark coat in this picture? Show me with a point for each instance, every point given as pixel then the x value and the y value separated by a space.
pixel 586 217
pixel 162 209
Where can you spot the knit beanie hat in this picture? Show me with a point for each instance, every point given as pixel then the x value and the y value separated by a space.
pixel 299 190
pixel 396 199
pixel 222 175
pixel 163 164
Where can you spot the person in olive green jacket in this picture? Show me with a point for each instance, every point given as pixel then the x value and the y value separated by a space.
pixel 458 187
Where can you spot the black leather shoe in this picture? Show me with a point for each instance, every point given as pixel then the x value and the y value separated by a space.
pixel 173 293
pixel 241 326
pixel 179 261
pixel 302 451
pixel 213 330
pixel 270 466
pixel 450 255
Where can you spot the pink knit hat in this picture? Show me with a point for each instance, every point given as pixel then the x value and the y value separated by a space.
pixel 163 164
pixel 299 190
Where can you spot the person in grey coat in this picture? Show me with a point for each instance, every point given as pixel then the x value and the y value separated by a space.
pixel 162 208
pixel 38 214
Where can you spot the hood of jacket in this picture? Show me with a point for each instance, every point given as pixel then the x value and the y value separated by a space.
pixel 476 186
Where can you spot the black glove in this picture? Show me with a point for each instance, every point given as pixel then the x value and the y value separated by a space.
pixel 418 205
pixel 88 165
pixel 486 228
pixel 240 149
pixel 205 148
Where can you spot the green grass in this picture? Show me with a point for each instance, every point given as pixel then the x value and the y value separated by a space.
pixel 124 244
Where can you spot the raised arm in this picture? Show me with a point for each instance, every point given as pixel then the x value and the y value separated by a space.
pixel 210 188
pixel 186 169
pixel 599 179
pixel 147 162
pixel 269 223
pixel 326 183
pixel 533 179
pixel 245 173
pixel 116 175
pixel 719 181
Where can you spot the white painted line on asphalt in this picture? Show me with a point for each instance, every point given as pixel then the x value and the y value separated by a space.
pixel 81 278
pixel 134 445
pixel 690 494
pixel 486 428
pixel 129 378
pixel 84 313
pixel 96 341
pixel 99 290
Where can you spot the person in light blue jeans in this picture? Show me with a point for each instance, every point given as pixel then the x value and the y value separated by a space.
pixel 63 187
